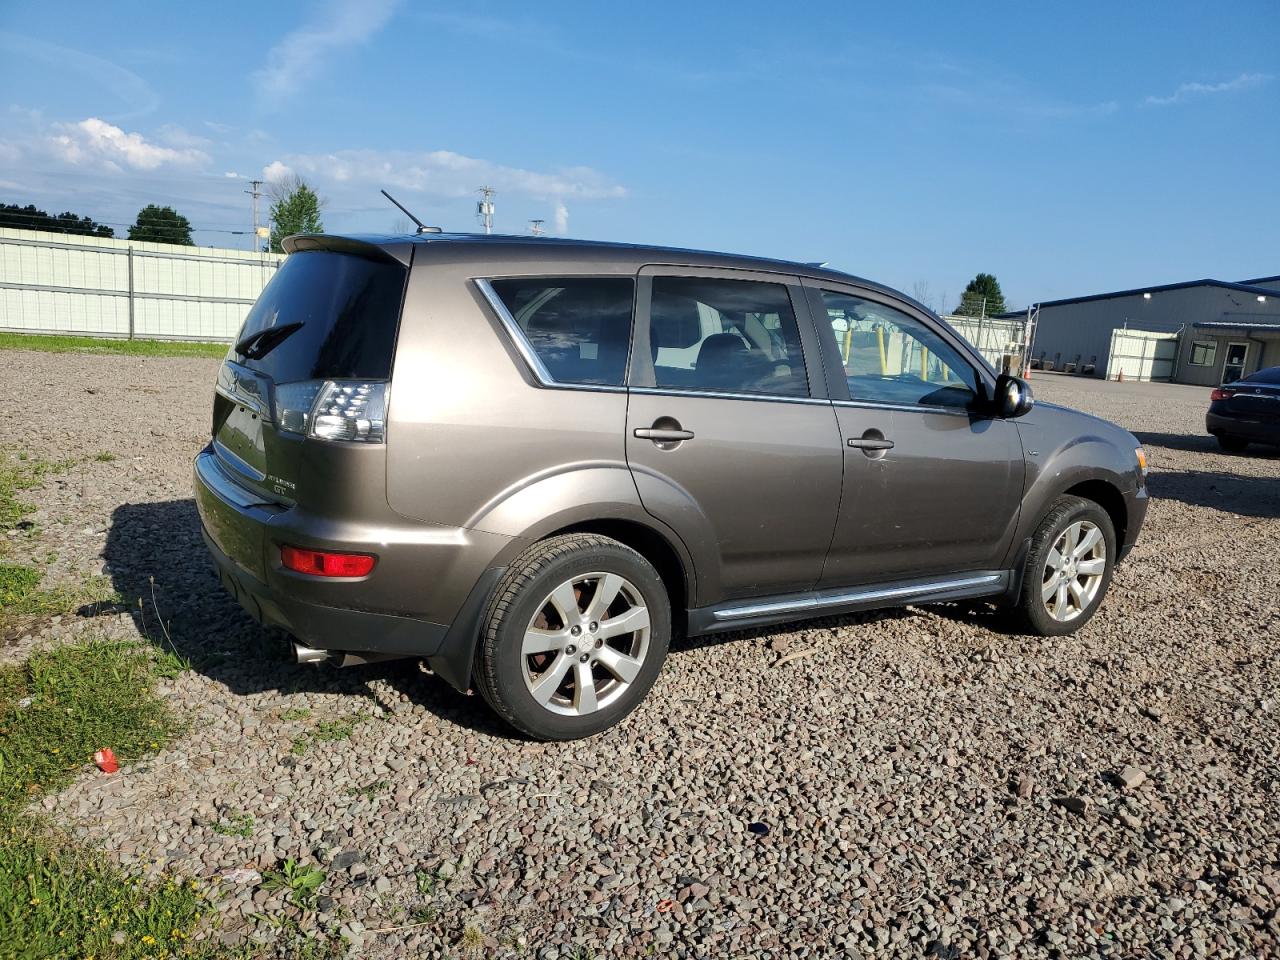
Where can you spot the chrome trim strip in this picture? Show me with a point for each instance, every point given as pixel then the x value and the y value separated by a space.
pixel 214 476
pixel 536 366
pixel 238 462
pixel 725 395
pixel 904 407
pixel 857 596
pixel 517 335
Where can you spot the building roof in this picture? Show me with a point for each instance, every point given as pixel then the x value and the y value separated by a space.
pixel 1237 325
pixel 1261 280
pixel 1162 288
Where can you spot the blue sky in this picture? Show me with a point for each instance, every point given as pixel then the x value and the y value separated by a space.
pixel 1092 147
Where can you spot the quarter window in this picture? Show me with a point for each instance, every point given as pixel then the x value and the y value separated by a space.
pixel 1203 353
pixel 580 328
pixel 730 336
pixel 891 357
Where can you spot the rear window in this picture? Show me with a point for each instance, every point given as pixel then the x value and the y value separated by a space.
pixel 1269 375
pixel 580 328
pixel 349 308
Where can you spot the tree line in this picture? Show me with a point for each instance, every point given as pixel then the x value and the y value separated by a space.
pixel 295 208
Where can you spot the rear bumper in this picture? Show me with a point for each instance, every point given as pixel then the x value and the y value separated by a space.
pixel 337 629
pixel 1255 431
pixel 423 599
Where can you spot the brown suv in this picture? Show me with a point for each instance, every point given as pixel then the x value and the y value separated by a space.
pixel 532 461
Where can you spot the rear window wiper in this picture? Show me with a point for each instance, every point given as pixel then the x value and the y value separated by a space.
pixel 258 345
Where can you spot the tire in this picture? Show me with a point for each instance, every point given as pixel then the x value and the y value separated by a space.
pixel 542 621
pixel 1049 614
pixel 1232 444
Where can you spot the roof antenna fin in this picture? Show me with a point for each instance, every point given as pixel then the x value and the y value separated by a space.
pixel 422 227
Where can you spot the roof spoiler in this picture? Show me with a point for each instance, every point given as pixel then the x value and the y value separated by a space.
pixel 300 242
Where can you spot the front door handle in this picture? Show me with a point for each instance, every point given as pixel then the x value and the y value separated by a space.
pixel 663 435
pixel 870 443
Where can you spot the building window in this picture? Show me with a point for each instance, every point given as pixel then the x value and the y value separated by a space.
pixel 1203 353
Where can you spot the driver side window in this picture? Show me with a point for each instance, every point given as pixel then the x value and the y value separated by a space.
pixel 889 357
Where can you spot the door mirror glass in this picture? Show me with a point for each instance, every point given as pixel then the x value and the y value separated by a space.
pixel 1013 396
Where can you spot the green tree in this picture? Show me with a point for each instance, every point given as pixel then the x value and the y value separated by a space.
pixel 161 225
pixel 32 218
pixel 295 208
pixel 981 298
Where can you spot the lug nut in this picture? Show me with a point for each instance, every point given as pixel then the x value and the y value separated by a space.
pixel 571 649
pixel 585 657
pixel 575 630
pixel 594 626
pixel 599 643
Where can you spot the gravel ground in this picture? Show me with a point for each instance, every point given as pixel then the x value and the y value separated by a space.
pixel 912 783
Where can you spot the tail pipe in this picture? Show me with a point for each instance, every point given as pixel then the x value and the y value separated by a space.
pixel 305 654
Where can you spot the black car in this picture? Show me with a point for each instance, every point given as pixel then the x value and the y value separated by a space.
pixel 1246 411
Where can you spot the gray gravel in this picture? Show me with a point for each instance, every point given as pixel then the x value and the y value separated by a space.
pixel 919 783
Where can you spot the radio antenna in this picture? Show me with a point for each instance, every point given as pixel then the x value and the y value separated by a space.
pixel 422 227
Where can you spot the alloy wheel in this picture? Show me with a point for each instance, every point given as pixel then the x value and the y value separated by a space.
pixel 1074 570
pixel 586 644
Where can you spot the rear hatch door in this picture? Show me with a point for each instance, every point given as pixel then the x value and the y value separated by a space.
pixel 327 315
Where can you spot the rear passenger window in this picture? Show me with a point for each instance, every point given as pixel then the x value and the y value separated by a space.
pixel 580 328
pixel 731 336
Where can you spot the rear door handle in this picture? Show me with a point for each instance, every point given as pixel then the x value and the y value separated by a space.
pixel 867 443
pixel 661 435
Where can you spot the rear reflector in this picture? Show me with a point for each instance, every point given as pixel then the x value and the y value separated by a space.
pixel 1219 393
pixel 321 563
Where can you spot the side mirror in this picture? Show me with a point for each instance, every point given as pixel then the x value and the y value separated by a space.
pixel 1013 396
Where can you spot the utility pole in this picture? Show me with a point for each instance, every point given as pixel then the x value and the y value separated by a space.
pixel 255 193
pixel 535 227
pixel 484 209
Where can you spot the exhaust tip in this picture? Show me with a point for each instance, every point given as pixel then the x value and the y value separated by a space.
pixel 303 654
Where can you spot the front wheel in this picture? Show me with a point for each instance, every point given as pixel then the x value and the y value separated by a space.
pixel 574 637
pixel 1068 567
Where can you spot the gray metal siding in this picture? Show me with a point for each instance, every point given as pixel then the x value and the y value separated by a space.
pixel 1084 329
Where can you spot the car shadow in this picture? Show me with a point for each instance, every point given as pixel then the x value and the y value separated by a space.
pixel 1201 443
pixel 1246 496
pixel 159 566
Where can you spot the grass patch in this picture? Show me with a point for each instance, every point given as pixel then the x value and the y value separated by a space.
pixel 58 899
pixel 17 583
pixel 66 702
pixel 140 348
pixel 104 456
pixel 240 825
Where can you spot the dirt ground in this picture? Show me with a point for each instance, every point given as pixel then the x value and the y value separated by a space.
pixel 916 783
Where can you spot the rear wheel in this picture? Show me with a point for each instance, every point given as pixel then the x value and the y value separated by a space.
pixel 1068 568
pixel 1231 444
pixel 574 637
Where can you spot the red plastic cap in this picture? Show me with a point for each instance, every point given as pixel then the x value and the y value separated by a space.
pixel 1219 393
pixel 322 563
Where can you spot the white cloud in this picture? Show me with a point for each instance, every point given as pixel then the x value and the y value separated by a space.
pixel 275 171
pixel 298 57
pixel 1191 91
pixel 444 173
pixel 562 219
pixel 96 142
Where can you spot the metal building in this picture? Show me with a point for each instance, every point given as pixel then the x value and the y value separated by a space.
pixel 1225 330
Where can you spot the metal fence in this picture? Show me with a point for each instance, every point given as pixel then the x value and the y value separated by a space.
pixel 1142 355
pixel 95 286
pixel 995 338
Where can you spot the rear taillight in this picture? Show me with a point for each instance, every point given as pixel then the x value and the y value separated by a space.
pixel 1221 393
pixel 333 409
pixel 325 563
